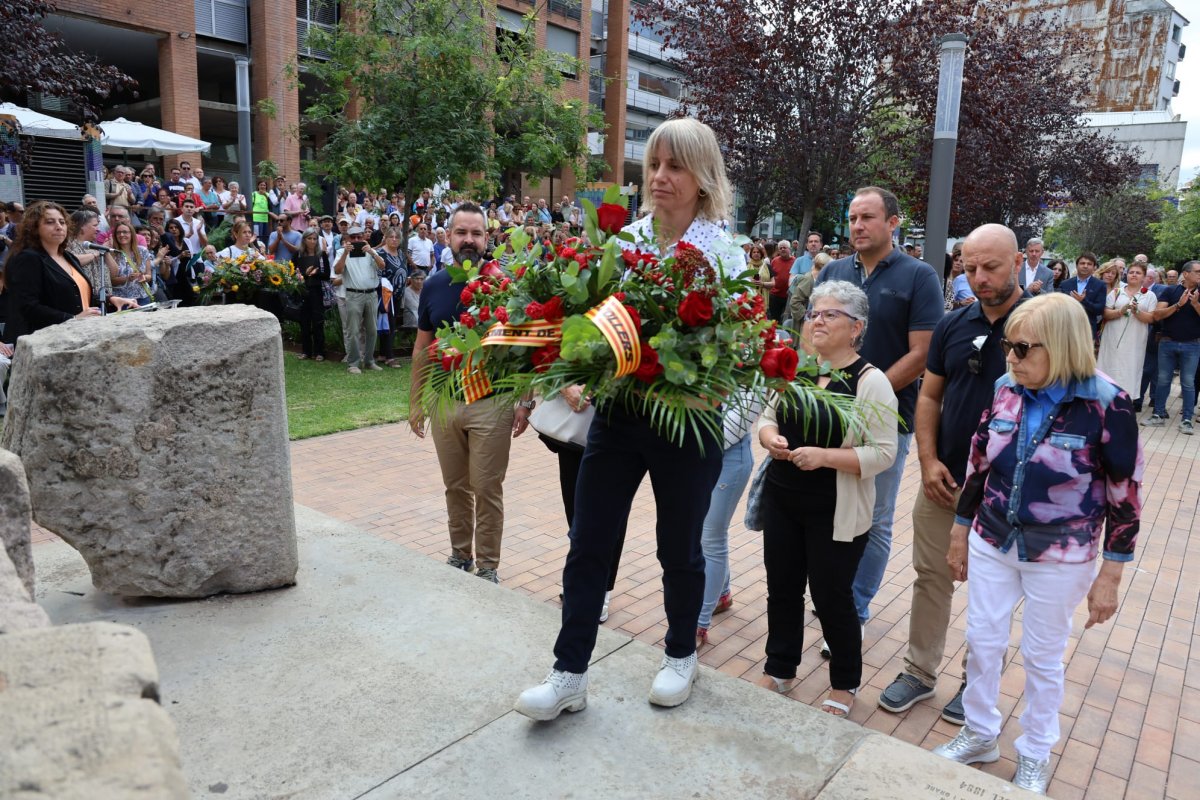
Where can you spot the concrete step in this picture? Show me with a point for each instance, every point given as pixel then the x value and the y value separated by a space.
pixel 384 674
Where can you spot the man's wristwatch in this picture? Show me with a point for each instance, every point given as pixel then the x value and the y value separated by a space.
pixel 529 404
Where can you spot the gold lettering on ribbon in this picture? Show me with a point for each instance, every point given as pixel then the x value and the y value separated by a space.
pixel 617 326
pixel 533 334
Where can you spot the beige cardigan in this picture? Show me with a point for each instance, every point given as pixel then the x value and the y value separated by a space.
pixel 876 451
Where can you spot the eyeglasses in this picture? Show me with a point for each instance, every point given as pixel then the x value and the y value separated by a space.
pixel 1020 348
pixel 828 315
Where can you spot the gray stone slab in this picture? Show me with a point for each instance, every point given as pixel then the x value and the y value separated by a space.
pixel 377 659
pixel 883 767
pixel 729 740
pixel 15 517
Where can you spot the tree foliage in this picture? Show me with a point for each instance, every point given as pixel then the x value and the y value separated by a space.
pixel 1020 137
pixel 432 104
pixel 33 59
pixel 1119 223
pixel 1177 235
pixel 811 98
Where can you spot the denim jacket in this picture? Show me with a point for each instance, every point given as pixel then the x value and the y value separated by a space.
pixel 1078 476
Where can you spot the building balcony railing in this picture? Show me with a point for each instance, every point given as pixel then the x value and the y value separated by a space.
pixel 568 8
pixel 652 103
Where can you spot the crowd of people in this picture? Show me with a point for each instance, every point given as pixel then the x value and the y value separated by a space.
pixel 1018 380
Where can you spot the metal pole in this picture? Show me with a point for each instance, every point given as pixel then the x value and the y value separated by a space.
pixel 945 141
pixel 245 167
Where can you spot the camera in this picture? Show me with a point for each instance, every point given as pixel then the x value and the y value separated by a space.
pixel 358 248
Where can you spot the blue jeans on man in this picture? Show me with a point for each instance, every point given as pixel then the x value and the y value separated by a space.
pixel 879 541
pixel 1184 356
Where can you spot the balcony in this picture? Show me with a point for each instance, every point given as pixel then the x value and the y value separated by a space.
pixel 1182 50
pixel 651 103
pixel 567 8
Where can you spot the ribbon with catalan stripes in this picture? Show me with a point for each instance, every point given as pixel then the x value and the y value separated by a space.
pixel 617 326
pixel 475 382
pixel 538 333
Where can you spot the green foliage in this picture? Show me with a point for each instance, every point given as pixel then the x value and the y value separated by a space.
pixel 267 170
pixel 1177 236
pixel 435 105
pixel 1116 224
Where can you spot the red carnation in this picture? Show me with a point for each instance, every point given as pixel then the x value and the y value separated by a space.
pixel 543 357
pixel 485 314
pixel 630 257
pixel 635 316
pixel 552 310
pixel 466 319
pixel 535 310
pixel 780 362
pixel 649 368
pixel 568 253
pixel 611 217
pixel 467 296
pixel 696 310
pixel 502 315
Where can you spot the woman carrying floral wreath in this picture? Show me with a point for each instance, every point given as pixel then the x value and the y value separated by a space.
pixel 688 194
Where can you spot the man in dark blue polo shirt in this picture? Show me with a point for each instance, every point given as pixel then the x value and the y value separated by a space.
pixel 906 301
pixel 472 440
pixel 1178 313
pixel 965 359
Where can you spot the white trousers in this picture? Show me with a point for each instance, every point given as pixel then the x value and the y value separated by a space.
pixel 1051 592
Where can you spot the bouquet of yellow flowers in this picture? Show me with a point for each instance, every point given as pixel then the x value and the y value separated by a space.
pixel 240 278
pixel 672 337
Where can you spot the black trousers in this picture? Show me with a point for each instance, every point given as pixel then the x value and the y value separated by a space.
pixel 775 307
pixel 622 447
pixel 798 548
pixel 312 322
pixel 569 460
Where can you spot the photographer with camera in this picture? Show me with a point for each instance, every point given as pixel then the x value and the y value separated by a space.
pixel 359 264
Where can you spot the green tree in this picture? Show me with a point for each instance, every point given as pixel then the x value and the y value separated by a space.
pixel 432 104
pixel 1119 223
pixel 1178 234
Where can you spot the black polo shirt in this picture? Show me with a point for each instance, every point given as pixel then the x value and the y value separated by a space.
pixel 904 295
pixel 440 301
pixel 966 394
pixel 1183 325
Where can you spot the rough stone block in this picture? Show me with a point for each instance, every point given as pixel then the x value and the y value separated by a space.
pixel 156 445
pixel 14 517
pixel 81 717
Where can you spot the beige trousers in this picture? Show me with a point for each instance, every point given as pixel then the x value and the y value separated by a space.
pixel 472 447
pixel 933 591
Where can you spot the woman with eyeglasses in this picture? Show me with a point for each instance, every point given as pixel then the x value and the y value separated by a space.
pixel 818 497
pixel 1053 482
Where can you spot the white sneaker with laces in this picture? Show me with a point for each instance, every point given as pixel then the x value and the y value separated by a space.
pixel 1032 774
pixel 673 683
pixel 561 691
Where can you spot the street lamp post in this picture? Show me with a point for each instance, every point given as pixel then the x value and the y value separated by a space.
pixel 945 140
pixel 245 168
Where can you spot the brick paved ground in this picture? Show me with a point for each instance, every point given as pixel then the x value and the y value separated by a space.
pixel 1131 717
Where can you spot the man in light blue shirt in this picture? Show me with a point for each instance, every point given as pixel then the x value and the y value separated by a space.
pixel 812 246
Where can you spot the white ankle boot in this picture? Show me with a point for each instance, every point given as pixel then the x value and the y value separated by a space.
pixel 674 680
pixel 561 691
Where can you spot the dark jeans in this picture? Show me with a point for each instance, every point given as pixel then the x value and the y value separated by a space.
pixel 798 548
pixel 1184 356
pixel 1149 372
pixel 622 447
pixel 569 460
pixel 312 322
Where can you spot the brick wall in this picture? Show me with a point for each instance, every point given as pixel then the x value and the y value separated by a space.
pixel 179 91
pixel 273 51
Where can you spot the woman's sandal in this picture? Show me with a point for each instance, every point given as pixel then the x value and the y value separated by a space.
pixel 701 638
pixel 836 709
pixel 780 685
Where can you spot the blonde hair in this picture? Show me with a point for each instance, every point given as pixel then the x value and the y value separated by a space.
pixel 694 146
pixel 1109 266
pixel 820 260
pixel 1060 324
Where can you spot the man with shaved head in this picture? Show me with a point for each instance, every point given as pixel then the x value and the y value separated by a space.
pixel 964 361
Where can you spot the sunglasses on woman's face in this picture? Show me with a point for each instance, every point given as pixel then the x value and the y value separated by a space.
pixel 1020 348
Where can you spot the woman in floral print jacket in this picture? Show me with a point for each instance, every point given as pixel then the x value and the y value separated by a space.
pixel 1055 468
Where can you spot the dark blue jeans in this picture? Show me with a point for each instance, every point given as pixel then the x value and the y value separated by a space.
pixel 1149 372
pixel 622 447
pixel 1184 356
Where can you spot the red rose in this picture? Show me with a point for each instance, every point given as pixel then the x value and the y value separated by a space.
pixel 485 314
pixel 649 368
pixel 492 269
pixel 780 362
pixel 543 357
pixel 611 217
pixel 535 310
pixel 552 310
pixel 486 288
pixel 467 296
pixel 568 253
pixel 520 272
pixel 466 319
pixel 620 296
pixel 696 310
pixel 635 316
pixel 502 315
pixel 474 285
pixel 630 257
pixel 582 258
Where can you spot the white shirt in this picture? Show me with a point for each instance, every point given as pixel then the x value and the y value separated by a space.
pixel 191 233
pixel 420 252
pixel 703 234
pixel 1031 273
pixel 233 251
pixel 447 257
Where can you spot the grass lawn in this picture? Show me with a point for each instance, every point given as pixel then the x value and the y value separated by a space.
pixel 323 398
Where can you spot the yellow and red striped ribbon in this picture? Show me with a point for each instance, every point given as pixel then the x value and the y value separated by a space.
pixel 534 334
pixel 617 326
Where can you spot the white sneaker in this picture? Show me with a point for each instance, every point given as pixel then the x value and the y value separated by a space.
pixel 561 691
pixel 604 608
pixel 674 680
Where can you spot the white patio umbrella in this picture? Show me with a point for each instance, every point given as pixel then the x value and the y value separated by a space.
pixel 34 123
pixel 121 134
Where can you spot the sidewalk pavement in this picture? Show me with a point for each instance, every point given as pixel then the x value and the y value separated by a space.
pixel 1131 716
